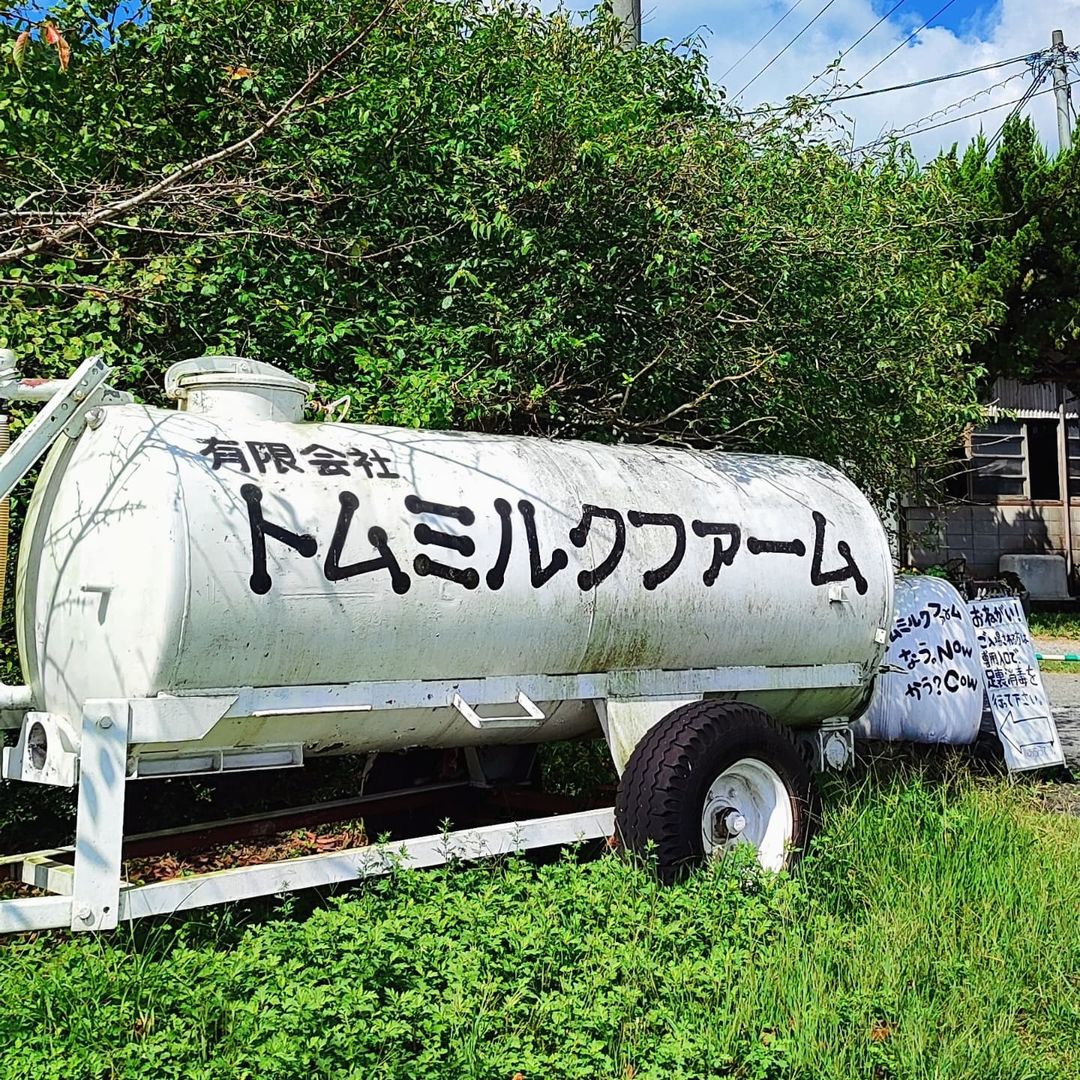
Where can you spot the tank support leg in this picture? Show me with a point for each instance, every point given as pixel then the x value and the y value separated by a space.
pixel 99 827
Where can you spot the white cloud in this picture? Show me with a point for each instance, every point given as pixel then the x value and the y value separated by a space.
pixel 1009 28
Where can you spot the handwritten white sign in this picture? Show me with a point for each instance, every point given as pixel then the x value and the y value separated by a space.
pixel 1014 685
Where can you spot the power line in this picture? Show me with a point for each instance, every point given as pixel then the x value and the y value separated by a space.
pixel 917 125
pixel 944 7
pixel 854 45
pixel 788 46
pixel 1030 59
pixel 954 105
pixel 759 41
pixel 1040 78
pixel 966 116
pixel 934 79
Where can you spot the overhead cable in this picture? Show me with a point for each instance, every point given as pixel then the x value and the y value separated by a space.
pixel 1040 78
pixel 854 45
pixel 759 41
pixel 915 33
pixel 957 119
pixel 953 106
pixel 917 125
pixel 785 48
pixel 1031 59
pixel 935 78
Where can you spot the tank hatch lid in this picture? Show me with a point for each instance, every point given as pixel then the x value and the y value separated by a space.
pixel 237 387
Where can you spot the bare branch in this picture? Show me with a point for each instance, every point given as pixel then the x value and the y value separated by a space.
pixel 111 210
pixel 699 399
pixel 76 288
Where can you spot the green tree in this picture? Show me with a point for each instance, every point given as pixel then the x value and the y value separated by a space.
pixel 476 215
pixel 1027 252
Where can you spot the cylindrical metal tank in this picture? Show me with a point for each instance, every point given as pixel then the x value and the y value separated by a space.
pixel 172 552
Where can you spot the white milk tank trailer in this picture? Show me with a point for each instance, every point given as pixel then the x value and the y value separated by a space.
pixel 225 587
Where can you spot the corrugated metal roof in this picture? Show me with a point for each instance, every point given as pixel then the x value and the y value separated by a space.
pixel 1030 401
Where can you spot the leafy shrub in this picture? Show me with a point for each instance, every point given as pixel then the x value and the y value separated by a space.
pixel 932 931
pixel 485 217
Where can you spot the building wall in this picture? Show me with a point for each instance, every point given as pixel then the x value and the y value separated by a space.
pixel 983 533
pixel 1001 523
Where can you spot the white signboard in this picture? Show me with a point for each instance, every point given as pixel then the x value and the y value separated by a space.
pixel 1014 686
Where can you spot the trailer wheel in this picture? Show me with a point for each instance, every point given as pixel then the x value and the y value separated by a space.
pixel 709 776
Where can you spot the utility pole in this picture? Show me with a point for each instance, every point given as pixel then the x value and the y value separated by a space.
pixel 1061 91
pixel 628 12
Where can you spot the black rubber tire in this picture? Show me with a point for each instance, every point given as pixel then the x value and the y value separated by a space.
pixel 663 787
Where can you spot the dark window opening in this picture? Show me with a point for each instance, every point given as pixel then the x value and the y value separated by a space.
pixel 956 478
pixel 1073 429
pixel 998 461
pixel 1044 474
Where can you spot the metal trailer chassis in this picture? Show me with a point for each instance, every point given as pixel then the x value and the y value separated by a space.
pixel 86 880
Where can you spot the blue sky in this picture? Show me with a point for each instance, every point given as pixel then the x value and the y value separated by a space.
pixel 970 33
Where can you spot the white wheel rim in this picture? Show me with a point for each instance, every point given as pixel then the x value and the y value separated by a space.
pixel 748 803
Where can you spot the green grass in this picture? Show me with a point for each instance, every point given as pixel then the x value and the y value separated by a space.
pixel 1060 667
pixel 1055 624
pixel 932 932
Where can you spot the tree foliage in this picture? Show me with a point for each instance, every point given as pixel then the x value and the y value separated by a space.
pixel 472 214
pixel 1026 244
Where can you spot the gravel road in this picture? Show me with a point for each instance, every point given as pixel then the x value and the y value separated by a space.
pixel 1064 694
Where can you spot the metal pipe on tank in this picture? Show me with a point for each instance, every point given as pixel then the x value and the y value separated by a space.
pixel 11 697
pixel 13 387
pixel 5 511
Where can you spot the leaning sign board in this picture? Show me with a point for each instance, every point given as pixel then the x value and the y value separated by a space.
pixel 1014 686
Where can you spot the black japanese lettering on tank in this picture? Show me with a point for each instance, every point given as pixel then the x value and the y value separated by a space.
pixel 723 554
pixel 775 547
pixel 278 455
pixel 539 574
pixel 224 452
pixel 377 537
pixel 579 534
pixel 452 535
pixel 303 543
pixel 374 464
pixel 849 571
pixel 424 565
pixel 651 578
pixel 497 574
pixel 327 460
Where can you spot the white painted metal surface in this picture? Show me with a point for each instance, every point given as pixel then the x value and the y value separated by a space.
pixel 312 871
pixel 307 872
pixel 932 688
pixel 748 803
pixel 191 553
pixel 625 720
pixel 226 587
pixel 35 913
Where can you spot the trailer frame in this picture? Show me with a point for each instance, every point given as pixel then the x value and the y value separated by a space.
pixel 92 895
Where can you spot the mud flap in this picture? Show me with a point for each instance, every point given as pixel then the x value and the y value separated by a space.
pixel 625 721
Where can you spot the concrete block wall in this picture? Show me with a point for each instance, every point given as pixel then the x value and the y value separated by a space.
pixel 982 533
pixel 1074 512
